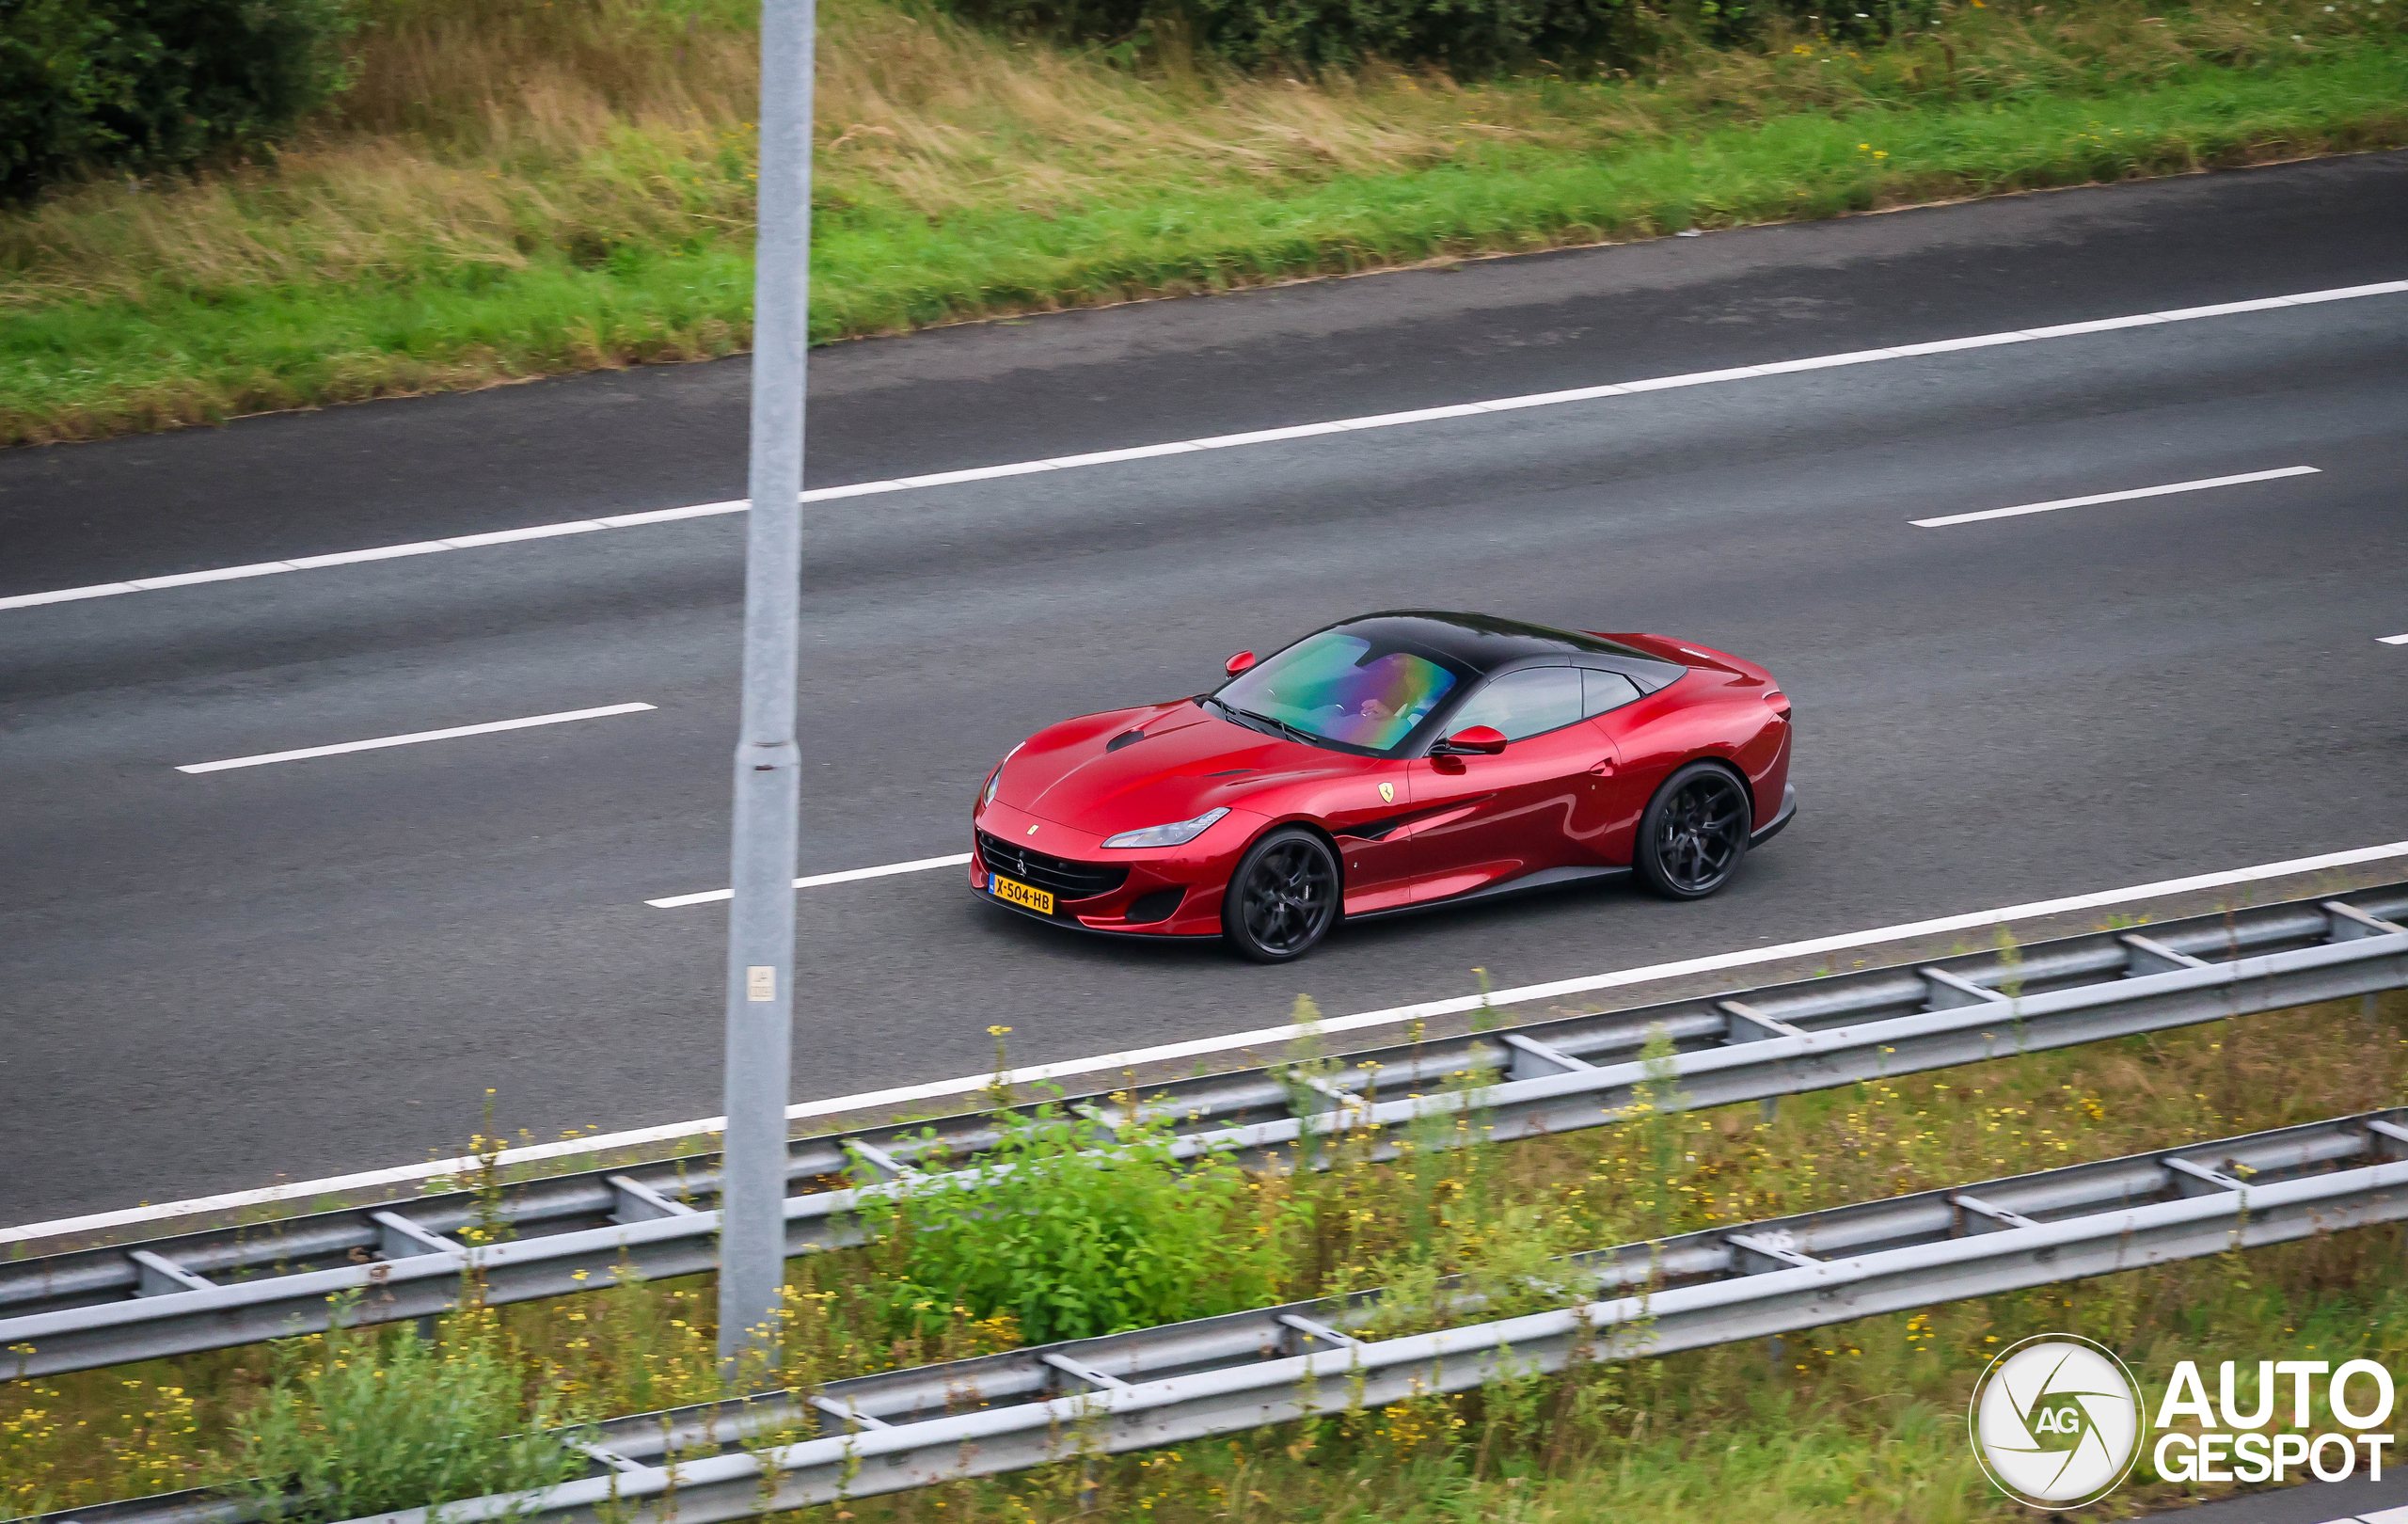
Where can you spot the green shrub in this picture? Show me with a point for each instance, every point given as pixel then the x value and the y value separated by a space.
pixel 1468 39
pixel 1465 38
pixel 1075 1231
pixel 1742 21
pixel 145 85
pixel 386 1419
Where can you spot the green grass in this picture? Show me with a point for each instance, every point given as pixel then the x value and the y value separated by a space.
pixel 881 276
pixel 171 352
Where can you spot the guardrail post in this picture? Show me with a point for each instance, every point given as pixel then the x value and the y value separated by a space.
pixel 760 926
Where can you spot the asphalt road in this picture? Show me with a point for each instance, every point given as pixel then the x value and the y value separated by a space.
pixel 208 981
pixel 2357 1501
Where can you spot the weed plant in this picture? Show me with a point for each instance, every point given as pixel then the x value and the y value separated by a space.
pixel 1861 1421
pixel 1080 1228
pixel 515 187
pixel 357 1422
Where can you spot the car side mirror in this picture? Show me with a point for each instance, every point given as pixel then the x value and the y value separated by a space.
pixel 1476 740
pixel 1237 663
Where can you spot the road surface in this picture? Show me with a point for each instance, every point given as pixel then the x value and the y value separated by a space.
pixel 211 980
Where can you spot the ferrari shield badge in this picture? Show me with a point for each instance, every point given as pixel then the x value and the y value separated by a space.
pixel 1032 831
pixel 1388 793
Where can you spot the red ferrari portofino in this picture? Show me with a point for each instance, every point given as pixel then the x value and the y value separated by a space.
pixel 1388 763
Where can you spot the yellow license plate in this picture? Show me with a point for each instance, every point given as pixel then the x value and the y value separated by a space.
pixel 1020 894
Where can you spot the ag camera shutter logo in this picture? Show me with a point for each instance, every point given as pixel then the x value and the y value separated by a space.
pixel 2057 1421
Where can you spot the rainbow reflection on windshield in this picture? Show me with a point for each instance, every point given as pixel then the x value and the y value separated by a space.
pixel 1331 685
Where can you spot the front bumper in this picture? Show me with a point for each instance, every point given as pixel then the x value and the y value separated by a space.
pixel 1175 892
pixel 1090 925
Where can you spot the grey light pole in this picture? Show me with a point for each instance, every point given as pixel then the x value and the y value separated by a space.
pixel 760 926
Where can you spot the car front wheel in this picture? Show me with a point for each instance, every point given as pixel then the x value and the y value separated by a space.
pixel 1283 897
pixel 1694 833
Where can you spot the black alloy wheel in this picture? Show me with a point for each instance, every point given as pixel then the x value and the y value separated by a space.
pixel 1694 833
pixel 1283 898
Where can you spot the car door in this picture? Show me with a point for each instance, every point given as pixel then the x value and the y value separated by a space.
pixel 1605 816
pixel 1365 813
pixel 1479 820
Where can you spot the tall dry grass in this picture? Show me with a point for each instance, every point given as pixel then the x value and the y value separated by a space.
pixel 515 187
pixel 481 136
pixel 478 137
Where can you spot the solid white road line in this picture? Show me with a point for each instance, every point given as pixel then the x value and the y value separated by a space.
pixel 1224 442
pixel 413 739
pixel 1261 1037
pixel 2200 485
pixel 918 865
pixel 2393 640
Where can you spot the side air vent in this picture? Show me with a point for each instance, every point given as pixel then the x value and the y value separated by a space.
pixel 1155 905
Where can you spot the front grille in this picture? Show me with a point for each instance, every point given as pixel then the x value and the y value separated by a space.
pixel 1071 881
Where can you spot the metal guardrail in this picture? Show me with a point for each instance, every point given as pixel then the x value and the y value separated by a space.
pixel 101 1306
pixel 902 1429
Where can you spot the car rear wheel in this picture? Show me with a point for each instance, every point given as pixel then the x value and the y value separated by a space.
pixel 1283 897
pixel 1694 833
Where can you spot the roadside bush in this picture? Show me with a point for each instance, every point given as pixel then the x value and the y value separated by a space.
pixel 1075 1230
pixel 146 85
pixel 1719 20
pixel 1466 39
pixel 367 1422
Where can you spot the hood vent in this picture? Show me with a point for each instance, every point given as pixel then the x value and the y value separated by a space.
pixel 1127 737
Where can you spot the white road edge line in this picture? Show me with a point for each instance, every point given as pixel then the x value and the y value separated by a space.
pixel 2199 485
pixel 413 739
pixel 1224 442
pixel 1261 1037
pixel 918 865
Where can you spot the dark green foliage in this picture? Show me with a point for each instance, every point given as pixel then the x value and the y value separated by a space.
pixel 1465 38
pixel 362 1422
pixel 1075 1228
pixel 1853 21
pixel 145 85
pixel 1468 39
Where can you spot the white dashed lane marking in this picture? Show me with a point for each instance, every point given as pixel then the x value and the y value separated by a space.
pixel 413 739
pixel 2052 507
pixel 885 871
pixel 1223 442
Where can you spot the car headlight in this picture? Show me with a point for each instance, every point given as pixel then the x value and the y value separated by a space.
pixel 995 779
pixel 1176 834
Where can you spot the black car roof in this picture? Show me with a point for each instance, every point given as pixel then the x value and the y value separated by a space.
pixel 1483 642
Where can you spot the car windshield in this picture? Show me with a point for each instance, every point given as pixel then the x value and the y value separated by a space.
pixel 1342 688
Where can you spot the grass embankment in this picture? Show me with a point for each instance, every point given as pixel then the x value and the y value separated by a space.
pixel 522 188
pixel 1860 1422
